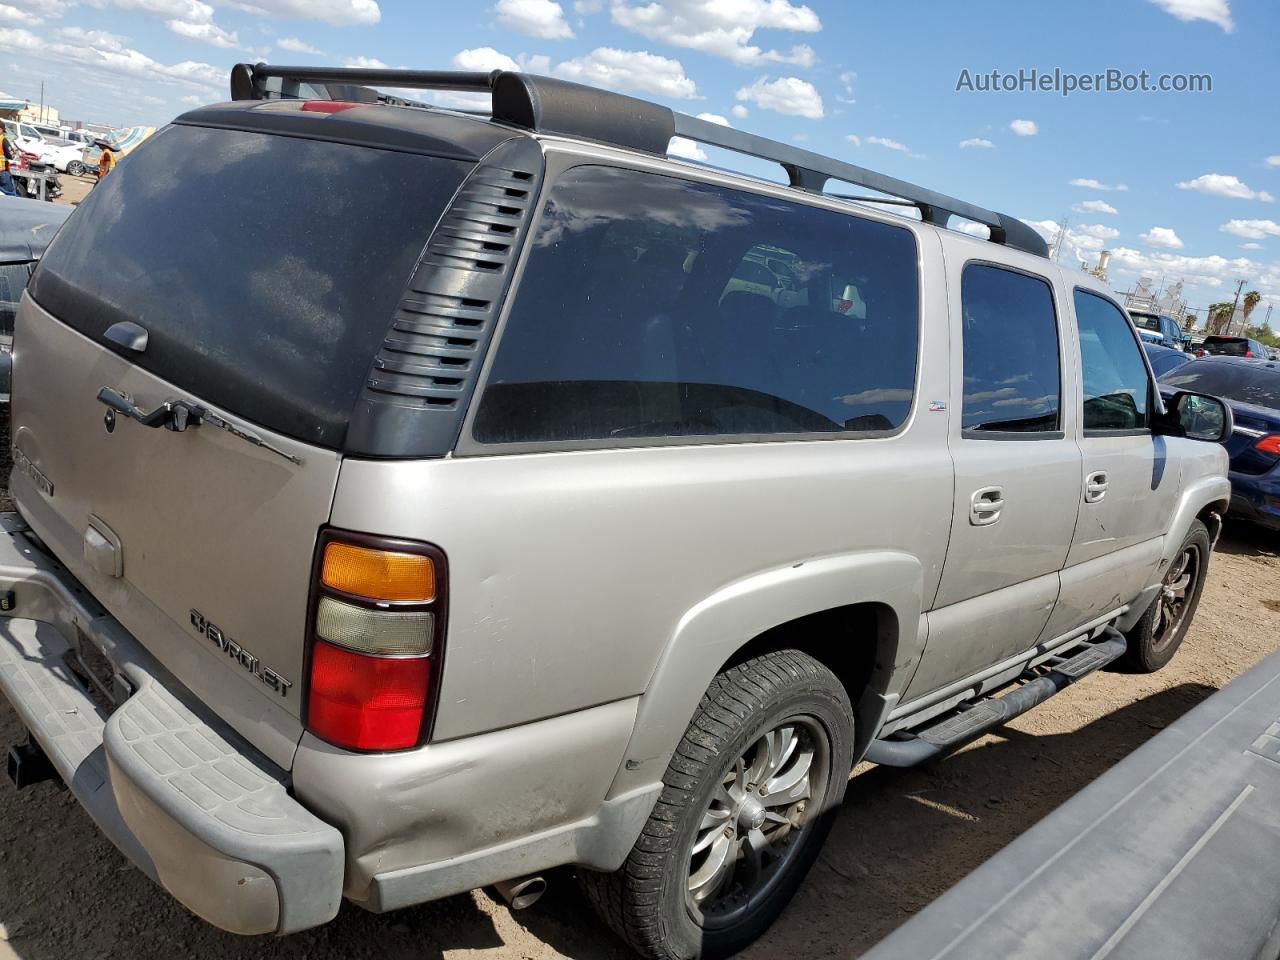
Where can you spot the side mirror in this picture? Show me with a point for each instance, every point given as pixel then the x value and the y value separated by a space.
pixel 1198 416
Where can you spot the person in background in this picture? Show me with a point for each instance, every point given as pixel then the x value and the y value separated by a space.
pixel 107 162
pixel 7 153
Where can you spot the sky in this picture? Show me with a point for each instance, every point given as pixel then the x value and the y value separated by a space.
pixel 1179 185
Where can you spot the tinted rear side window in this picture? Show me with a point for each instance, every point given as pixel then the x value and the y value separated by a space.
pixel 1257 384
pixel 1012 382
pixel 656 307
pixel 266 269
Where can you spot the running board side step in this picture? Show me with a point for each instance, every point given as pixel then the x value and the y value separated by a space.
pixel 977 718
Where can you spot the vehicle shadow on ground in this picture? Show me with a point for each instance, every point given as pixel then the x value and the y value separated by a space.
pixel 904 837
pixel 1243 539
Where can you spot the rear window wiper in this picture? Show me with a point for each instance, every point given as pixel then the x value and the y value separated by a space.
pixel 177 415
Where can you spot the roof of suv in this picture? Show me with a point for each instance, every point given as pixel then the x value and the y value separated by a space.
pixel 338 103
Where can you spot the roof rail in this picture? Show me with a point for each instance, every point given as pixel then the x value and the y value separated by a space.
pixel 548 105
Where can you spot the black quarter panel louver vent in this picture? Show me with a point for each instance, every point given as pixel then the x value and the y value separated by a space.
pixel 414 399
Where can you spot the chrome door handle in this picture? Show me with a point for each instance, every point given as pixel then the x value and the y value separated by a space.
pixel 1095 486
pixel 985 506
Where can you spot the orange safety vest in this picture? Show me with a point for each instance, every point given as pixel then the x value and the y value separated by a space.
pixel 4 152
pixel 106 163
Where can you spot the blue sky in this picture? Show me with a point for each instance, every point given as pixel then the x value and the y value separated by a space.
pixel 874 83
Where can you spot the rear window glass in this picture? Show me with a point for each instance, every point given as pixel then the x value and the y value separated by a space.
pixel 266 269
pixel 1258 384
pixel 654 307
pixel 1145 321
pixel 1228 346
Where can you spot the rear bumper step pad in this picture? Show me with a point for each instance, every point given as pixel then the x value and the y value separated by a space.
pixel 182 795
pixel 977 718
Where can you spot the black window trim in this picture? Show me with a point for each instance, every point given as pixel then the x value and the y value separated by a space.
pixel 1155 403
pixel 559 164
pixel 1015 435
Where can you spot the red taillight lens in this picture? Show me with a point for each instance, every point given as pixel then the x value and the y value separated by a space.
pixel 376 631
pixel 1248 353
pixel 367 703
pixel 1269 444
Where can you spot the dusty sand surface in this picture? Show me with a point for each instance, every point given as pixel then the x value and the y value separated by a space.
pixel 903 837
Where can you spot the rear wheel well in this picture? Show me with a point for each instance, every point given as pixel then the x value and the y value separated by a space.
pixel 857 642
pixel 1211 516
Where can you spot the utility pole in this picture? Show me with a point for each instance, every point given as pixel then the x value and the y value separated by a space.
pixel 1057 241
pixel 1235 306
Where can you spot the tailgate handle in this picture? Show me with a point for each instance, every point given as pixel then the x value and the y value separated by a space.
pixel 129 335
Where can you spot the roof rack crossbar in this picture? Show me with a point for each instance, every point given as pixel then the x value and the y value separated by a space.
pixel 556 106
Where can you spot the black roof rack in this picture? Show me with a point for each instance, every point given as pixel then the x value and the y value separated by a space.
pixel 555 106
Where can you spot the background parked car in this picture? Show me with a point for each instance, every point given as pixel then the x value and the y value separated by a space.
pixel 1165 359
pixel 1252 388
pixel 1157 328
pixel 1223 346
pixel 26 227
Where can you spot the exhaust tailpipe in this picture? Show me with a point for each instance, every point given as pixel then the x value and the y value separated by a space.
pixel 522 891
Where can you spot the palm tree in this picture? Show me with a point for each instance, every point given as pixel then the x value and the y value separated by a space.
pixel 1250 301
pixel 1219 316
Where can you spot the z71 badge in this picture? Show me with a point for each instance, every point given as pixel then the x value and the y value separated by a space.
pixel 239 654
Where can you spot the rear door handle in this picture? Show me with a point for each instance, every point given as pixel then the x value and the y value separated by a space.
pixel 127 334
pixel 985 506
pixel 1095 486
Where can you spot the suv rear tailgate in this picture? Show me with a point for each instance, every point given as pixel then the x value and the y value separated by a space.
pixel 205 522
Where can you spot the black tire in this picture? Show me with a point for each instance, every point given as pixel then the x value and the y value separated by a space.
pixel 646 901
pixel 75 168
pixel 1152 643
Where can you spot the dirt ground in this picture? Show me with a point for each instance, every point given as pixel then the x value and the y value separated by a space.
pixel 903 837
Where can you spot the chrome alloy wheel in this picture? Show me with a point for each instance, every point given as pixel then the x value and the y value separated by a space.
pixel 754 820
pixel 1174 597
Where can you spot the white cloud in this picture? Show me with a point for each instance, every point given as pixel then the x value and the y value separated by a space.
pixel 739 111
pixel 1212 271
pixel 1024 128
pixel 846 81
pixel 339 13
pixel 981 142
pixel 588 6
pixel 105 52
pixel 297 46
pixel 636 70
pixel 688 149
pixel 789 95
pixel 10 14
pixel 1094 206
pixel 1162 237
pixel 887 144
pixel 206 32
pixel 1252 229
pixel 537 18
pixel 723 29
pixel 1273 161
pixel 715 118
pixel 366 63
pixel 854 139
pixel 1250 246
pixel 1101 231
pixel 1093 184
pixel 1225 185
pixel 483 59
pixel 1215 11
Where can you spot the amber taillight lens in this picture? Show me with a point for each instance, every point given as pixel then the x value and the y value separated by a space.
pixel 377 631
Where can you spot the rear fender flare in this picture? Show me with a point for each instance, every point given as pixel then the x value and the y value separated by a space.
pixel 709 634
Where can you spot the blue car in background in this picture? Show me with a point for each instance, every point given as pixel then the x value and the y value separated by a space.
pixel 1165 359
pixel 1252 388
pixel 1157 328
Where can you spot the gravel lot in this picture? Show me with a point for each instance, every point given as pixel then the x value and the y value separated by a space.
pixel 903 838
